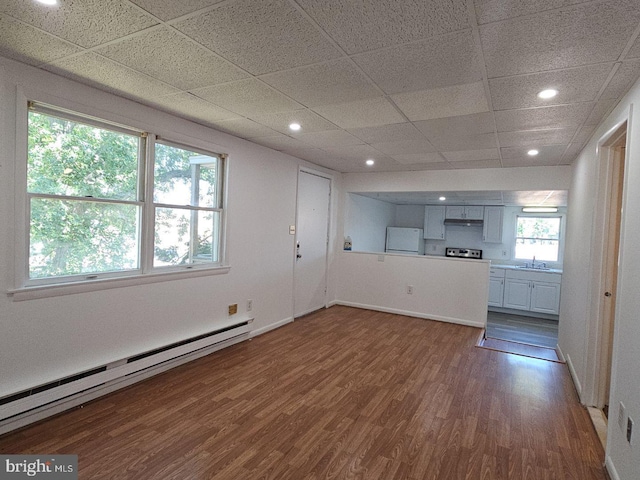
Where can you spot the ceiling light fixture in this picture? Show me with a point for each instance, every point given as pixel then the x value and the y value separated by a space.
pixel 370 162
pixel 533 153
pixel 442 199
pixel 546 94
pixel 48 2
pixel 540 209
pixel 295 126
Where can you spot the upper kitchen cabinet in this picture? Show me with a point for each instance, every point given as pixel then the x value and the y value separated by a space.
pixel 492 225
pixel 434 222
pixel 468 212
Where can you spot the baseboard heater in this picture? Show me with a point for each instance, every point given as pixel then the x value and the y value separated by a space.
pixel 23 403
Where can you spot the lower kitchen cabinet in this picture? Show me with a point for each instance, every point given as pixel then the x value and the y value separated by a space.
pixel 496 287
pixel 532 291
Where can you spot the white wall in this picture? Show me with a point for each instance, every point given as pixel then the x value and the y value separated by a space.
pixel 411 216
pixel 366 222
pixel 45 339
pixel 581 281
pixel 367 282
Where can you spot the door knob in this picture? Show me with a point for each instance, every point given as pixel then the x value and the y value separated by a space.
pixel 607 294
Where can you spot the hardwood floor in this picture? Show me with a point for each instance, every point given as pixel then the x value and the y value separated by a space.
pixel 340 394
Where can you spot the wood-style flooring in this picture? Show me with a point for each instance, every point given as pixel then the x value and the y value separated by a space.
pixel 343 393
pixel 518 328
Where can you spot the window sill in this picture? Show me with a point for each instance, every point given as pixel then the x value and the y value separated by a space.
pixel 55 290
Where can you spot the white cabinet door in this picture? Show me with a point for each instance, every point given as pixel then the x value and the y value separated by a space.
pixel 474 212
pixel 545 297
pixel 455 212
pixel 496 291
pixel 517 294
pixel 492 226
pixel 434 222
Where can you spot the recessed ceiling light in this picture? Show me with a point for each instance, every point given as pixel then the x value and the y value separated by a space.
pixel 295 126
pixel 546 94
pixel 533 153
pixel 370 162
pixel 442 199
pixel 48 2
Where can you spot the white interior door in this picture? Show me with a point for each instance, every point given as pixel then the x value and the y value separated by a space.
pixel 312 238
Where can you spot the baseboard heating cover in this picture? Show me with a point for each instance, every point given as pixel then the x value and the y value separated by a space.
pixel 21 403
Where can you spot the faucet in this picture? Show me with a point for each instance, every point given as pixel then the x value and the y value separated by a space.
pixel 533 263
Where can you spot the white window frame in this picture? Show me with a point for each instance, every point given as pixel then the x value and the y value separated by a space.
pixel 560 237
pixel 26 288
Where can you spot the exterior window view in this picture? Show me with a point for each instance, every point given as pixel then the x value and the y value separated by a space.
pixel 320 239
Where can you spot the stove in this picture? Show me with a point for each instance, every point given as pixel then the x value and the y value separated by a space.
pixel 464 253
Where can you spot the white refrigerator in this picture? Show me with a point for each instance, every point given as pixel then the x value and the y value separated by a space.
pixel 409 241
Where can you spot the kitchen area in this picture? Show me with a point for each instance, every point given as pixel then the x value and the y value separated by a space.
pixel 518 236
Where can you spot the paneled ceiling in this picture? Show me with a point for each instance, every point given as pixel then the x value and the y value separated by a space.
pixel 411 84
pixel 541 198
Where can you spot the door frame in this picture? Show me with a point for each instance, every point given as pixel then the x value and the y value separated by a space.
pixel 596 341
pixel 329 177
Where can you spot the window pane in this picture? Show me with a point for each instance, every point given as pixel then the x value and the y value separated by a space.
pixel 184 236
pixel 81 237
pixel 542 250
pixel 73 159
pixel 539 227
pixel 182 177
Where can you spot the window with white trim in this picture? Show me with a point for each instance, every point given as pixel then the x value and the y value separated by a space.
pixel 95 210
pixel 538 237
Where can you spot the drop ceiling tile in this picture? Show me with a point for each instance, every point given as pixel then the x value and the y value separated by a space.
pixel 548 153
pixel 244 128
pixel 443 102
pixel 315 155
pixel 368 25
pixel 488 11
pixel 572 152
pixel 476 164
pixel 168 56
pixel 190 106
pixel 529 162
pixel 416 158
pixel 169 9
pixel 310 121
pixel 336 81
pixel 584 134
pixel 388 133
pixel 574 85
pixel 356 152
pixel 602 108
pixel 279 142
pixel 329 138
pixel 362 113
pixel 260 37
pixel 100 72
pixel 575 35
pixel 29 45
pixel 622 80
pixel 405 147
pixel 457 126
pixel 437 62
pixel 542 117
pixel 85 23
pixel 248 97
pixel 472 155
pixel 535 138
pixel 448 143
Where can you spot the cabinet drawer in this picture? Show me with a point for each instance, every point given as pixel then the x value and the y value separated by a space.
pixel 534 276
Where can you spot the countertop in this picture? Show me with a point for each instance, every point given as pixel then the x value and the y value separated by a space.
pixel 517 267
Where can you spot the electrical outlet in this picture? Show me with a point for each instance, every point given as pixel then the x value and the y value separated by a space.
pixel 249 305
pixel 233 309
pixel 410 289
pixel 629 430
pixel 622 415
pixel 504 253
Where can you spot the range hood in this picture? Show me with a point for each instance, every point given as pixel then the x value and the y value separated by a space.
pixel 463 222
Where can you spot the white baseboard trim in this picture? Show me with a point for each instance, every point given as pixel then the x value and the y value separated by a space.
pixel 80 398
pixel 574 377
pixel 459 321
pixel 560 354
pixel 271 326
pixel 611 470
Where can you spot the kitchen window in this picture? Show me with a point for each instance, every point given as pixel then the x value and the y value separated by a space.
pixel 538 237
pixel 96 210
